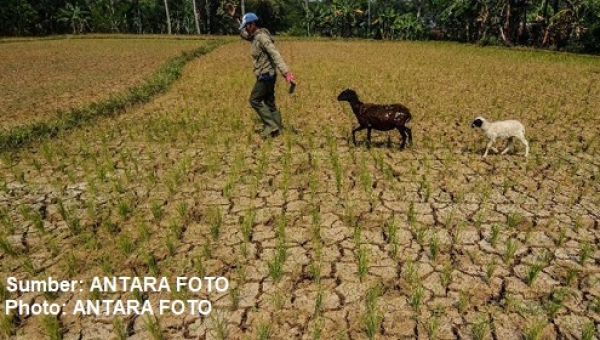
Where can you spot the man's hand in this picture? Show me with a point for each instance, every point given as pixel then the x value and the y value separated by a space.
pixel 289 77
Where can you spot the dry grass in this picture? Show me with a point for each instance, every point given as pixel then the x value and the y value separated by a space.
pixel 40 78
pixel 452 244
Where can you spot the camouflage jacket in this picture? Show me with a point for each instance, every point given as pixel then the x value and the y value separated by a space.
pixel 264 54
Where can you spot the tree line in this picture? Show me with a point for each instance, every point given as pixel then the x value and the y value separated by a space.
pixel 557 24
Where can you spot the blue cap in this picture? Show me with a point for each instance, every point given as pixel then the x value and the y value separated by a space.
pixel 249 17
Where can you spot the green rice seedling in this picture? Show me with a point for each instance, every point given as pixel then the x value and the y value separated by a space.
pixel 446 275
pixel 48 154
pixel 52 327
pixel 235 295
pixel 350 218
pixel 62 210
pixel 588 330
pixel 506 185
pixel 434 246
pixel 373 317
pixel 144 232
pixel 432 326
pixel 314 268
pixel 319 301
pixel 4 295
pixel 318 324
pixel 335 160
pixel 207 249
pixel 107 266
pixel 572 275
pixel 277 299
pixel 263 330
pixel 490 269
pixel 315 224
pixel 219 330
pixel 72 264
pixel 585 252
pixel 153 327
pixel 123 208
pixel 8 223
pixel 125 244
pixel 416 298
pixel 356 236
pixel 420 235
pixel 511 249
pixel 480 329
pixel 534 331
pixel 152 264
pixel 95 294
pixel 29 267
pixel 248 223
pixel 182 211
pixel 365 178
pixel 556 301
pixel 176 229
pixel 276 265
pixel 215 220
pixel 411 215
pixel 595 305
pixel 513 220
pixel 457 232
pixel 118 185
pixel 463 302
pixel 495 234
pixel 281 228
pixel 244 248
pixel 533 271
pixel 363 261
pixel 35 217
pixel 111 227
pixel 119 329
pixel 449 219
pixel 424 189
pixel 261 163
pixel 156 208
pixel 199 267
pixel 410 273
pixel 7 327
pixel 392 234
pixel 7 247
pixel 546 257
pixel 74 224
pixel 478 219
pixel 561 237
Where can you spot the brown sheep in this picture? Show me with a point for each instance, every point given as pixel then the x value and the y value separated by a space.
pixel 379 117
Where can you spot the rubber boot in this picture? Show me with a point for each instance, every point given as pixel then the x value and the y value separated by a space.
pixel 277 118
pixel 271 128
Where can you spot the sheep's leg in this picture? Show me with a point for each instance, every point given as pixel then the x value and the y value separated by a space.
pixel 509 146
pixel 409 133
pixel 488 147
pixel 524 141
pixel 404 136
pixel 368 137
pixel 360 128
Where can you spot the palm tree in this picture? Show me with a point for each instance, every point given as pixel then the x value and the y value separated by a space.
pixel 74 16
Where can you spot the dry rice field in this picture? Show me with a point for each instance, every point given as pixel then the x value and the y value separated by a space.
pixel 41 77
pixel 318 238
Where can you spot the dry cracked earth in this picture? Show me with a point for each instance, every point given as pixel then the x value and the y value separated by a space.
pixel 318 238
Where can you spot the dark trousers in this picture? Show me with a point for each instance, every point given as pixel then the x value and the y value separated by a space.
pixel 262 99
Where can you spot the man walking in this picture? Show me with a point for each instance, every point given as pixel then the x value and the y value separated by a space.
pixel 267 60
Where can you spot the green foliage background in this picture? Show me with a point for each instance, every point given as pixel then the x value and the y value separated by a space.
pixel 556 24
